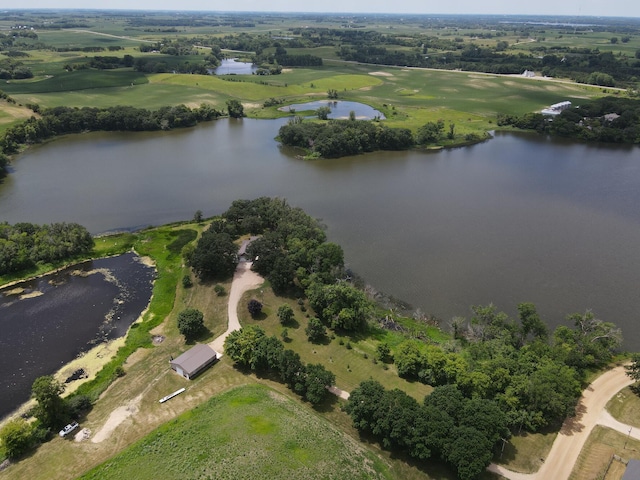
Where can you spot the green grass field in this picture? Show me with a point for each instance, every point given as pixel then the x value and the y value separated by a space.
pixel 249 432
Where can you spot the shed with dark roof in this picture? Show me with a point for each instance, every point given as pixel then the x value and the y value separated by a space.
pixel 194 361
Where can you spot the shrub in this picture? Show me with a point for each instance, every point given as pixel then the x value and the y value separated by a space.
pixel 186 281
pixel 254 307
pixel 220 290
pixel 285 314
pixel 17 438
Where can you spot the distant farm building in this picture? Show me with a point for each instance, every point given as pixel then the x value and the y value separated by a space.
pixel 556 108
pixel 528 74
pixel 194 361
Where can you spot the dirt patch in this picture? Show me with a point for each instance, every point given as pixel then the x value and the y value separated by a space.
pixel 82 435
pixel 381 74
pixel 118 416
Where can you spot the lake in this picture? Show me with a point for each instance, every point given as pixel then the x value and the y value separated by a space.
pixel 48 321
pixel 340 109
pixel 515 219
pixel 232 67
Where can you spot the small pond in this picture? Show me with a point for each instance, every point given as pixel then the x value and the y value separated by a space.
pixel 48 321
pixel 340 109
pixel 233 67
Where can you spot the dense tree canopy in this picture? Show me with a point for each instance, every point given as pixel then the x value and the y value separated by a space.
pixel 461 431
pixel 215 255
pixel 338 138
pixel 24 245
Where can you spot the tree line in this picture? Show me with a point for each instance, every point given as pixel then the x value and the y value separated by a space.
pixel 24 245
pixel 447 425
pixel 250 348
pixel 63 120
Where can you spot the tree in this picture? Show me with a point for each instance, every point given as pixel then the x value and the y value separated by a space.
pixel 285 314
pixel 318 380
pixel 362 404
pixel 469 451
pixel 241 344
pixel 531 322
pixel 215 256
pixel 16 437
pixel 51 410
pixel 430 132
pixel 383 352
pixel 633 369
pixel 332 93
pixel 197 217
pixel 235 108
pixel 254 307
pixel 315 330
pixel 323 112
pixel 190 323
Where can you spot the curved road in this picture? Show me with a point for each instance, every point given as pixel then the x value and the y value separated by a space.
pixel 572 436
pixel 243 279
pixel 575 430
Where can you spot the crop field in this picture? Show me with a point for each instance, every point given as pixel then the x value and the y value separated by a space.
pixel 249 432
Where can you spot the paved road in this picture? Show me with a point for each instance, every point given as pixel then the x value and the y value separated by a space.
pixel 575 431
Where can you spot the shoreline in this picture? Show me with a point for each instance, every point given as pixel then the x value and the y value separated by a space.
pixel 93 360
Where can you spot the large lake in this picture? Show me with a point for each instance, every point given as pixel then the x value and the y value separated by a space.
pixel 518 218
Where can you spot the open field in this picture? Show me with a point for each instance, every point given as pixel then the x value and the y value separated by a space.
pixel 596 456
pixel 248 432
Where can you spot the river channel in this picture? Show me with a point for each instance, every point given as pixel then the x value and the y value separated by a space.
pixel 515 219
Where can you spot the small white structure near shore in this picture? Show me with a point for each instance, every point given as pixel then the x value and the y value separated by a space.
pixel 556 108
pixel 194 361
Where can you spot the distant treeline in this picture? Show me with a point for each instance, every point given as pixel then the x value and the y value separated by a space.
pixel 337 138
pixel 608 119
pixel 24 245
pixel 63 120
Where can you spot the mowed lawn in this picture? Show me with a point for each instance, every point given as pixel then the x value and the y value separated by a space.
pixel 248 432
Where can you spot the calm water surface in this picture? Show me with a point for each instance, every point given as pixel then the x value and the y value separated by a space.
pixel 511 220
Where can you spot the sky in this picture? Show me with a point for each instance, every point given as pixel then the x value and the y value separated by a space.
pixel 614 8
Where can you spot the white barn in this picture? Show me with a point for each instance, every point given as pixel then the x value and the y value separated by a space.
pixel 194 361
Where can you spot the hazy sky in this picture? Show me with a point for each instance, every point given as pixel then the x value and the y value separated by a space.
pixel 622 8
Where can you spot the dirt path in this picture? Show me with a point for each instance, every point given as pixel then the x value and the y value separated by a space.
pixel 116 417
pixel 244 279
pixel 575 431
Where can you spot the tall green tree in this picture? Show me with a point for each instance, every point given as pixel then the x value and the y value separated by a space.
pixel 215 256
pixel 235 108
pixel 50 409
pixel 190 323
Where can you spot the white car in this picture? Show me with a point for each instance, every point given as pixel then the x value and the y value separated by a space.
pixel 68 429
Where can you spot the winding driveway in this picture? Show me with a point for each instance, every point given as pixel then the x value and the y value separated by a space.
pixel 575 430
pixel 244 279
pixel 572 436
